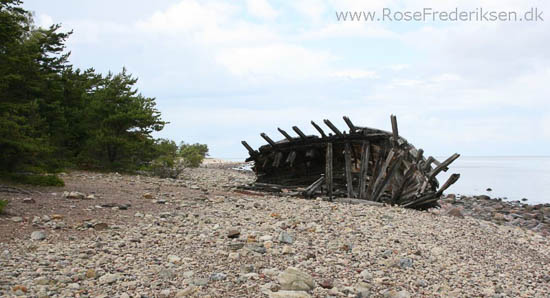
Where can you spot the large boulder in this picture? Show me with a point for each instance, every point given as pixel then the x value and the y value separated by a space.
pixel 293 279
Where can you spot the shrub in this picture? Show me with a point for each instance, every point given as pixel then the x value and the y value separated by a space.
pixel 3 204
pixel 192 154
pixel 34 179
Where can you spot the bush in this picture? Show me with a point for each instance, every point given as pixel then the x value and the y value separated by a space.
pixel 34 179
pixel 192 155
pixel 3 204
pixel 170 159
pixel 166 167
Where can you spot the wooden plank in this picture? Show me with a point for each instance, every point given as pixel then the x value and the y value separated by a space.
pixel 328 171
pixel 352 127
pixel 290 158
pixel 452 179
pixel 437 163
pixel 443 165
pixel 347 169
pixel 251 151
pixel 420 200
pixel 299 132
pixel 352 201
pixel 394 129
pixel 375 173
pixel 268 139
pixel 286 135
pixel 365 150
pixel 310 190
pixel 381 174
pixel 428 165
pixel 393 170
pixel 323 135
pixel 277 159
pixel 419 154
pixel 332 127
pixel 408 175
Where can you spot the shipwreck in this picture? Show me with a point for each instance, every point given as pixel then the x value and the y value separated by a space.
pixel 363 163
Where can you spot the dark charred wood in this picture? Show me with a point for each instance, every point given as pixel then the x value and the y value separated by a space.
pixel 395 132
pixel 352 127
pixel 321 132
pixel 268 139
pixel 299 132
pixel 332 127
pixel 285 134
pixel 251 151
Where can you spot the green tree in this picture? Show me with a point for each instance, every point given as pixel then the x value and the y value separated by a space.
pixel 121 122
pixel 30 60
pixel 54 116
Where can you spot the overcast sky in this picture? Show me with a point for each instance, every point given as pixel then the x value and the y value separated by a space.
pixel 225 71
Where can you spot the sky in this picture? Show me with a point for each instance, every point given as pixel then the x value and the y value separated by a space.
pixel 226 71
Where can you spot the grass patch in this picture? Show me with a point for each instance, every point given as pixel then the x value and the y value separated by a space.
pixel 3 204
pixel 39 180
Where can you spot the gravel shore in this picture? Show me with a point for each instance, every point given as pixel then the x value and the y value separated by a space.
pixel 110 235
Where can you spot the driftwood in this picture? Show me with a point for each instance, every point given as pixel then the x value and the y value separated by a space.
pixel 363 164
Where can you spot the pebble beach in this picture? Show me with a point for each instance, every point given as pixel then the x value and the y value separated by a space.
pixel 111 235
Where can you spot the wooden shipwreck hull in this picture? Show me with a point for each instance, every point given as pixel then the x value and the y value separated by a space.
pixel 362 163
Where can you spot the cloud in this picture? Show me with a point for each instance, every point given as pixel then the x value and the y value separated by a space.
pixel 44 21
pixel 312 9
pixel 355 74
pixel 261 9
pixel 279 60
pixel 222 71
pixel 189 15
pixel 349 30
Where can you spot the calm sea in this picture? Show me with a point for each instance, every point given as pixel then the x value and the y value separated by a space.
pixel 511 177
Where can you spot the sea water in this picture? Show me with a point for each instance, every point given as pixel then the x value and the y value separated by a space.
pixel 513 178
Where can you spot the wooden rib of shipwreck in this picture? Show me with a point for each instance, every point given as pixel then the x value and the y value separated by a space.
pixel 362 163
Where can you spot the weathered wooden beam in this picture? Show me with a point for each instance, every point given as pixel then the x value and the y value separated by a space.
pixel 375 173
pixel 382 187
pixel 408 175
pixel 381 174
pixel 290 158
pixel 394 130
pixel 365 150
pixel 299 132
pixel 268 139
pixel 286 135
pixel 352 201
pixel 419 154
pixel 437 163
pixel 428 165
pixel 310 190
pixel 332 127
pixel 443 165
pixel 277 159
pixel 347 169
pixel 251 151
pixel 352 127
pixel 452 179
pixel 328 171
pixel 323 135
pixel 421 200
